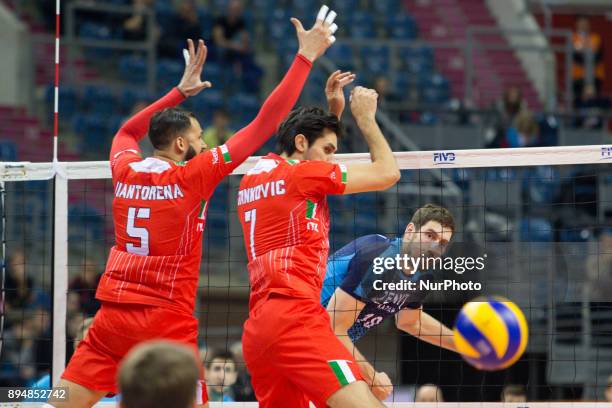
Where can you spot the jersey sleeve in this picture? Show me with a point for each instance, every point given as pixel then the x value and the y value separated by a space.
pixel 317 179
pixel 206 170
pixel 125 149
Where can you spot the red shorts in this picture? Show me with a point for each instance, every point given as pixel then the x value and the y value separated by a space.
pixel 117 328
pixel 293 354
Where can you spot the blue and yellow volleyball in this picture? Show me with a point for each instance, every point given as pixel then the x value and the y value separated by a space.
pixel 491 333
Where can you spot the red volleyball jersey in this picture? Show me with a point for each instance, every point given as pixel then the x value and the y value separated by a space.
pixel 159 211
pixel 283 210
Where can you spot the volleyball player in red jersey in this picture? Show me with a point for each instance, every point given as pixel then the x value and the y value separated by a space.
pixel 149 286
pixel 288 343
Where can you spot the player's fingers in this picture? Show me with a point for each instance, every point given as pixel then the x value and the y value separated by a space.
pixel 203 50
pixel 344 75
pixel 322 13
pixel 186 56
pixel 333 76
pixel 332 39
pixel 345 81
pixel 206 84
pixel 191 49
pixel 330 17
pixel 333 28
pixel 297 24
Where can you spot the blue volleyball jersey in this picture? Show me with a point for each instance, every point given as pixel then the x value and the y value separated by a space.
pixel 351 268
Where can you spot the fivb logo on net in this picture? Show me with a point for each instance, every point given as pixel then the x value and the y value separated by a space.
pixel 606 152
pixel 444 158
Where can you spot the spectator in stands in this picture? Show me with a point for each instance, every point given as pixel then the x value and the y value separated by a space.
pixel 158 374
pixel 135 27
pixel 509 108
pixel 85 285
pixel 219 131
pixel 231 43
pixel 243 390
pixel 588 67
pixel 20 349
pixel 19 286
pixel 599 269
pixel 429 393
pixel 524 132
pixel 221 375
pixel 382 85
pixel 514 393
pixel 608 392
pixel 590 107
pixel 186 24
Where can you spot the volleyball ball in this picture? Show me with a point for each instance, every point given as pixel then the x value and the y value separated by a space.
pixel 491 333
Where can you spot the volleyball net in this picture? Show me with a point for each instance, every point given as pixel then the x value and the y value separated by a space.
pixel 540 217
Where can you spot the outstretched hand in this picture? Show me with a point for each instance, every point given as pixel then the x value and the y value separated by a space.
pixel 314 42
pixel 334 91
pixel 191 83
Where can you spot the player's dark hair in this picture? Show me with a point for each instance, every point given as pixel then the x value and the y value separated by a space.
pixel 513 389
pixel 433 212
pixel 308 121
pixel 159 375
pixel 221 355
pixel 167 125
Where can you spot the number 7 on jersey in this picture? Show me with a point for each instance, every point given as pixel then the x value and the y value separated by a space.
pixel 251 216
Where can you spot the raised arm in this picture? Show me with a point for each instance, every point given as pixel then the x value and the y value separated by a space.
pixel 135 128
pixel 343 310
pixel 383 171
pixel 425 327
pixel 312 44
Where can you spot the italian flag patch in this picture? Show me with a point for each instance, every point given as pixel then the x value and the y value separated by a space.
pixel 203 206
pixel 343 171
pixel 311 209
pixel 342 371
pixel 225 154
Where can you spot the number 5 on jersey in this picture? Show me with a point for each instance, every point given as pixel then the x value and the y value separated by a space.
pixel 138 232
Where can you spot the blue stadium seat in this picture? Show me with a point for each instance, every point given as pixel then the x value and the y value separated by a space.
pixel 434 89
pixel 133 69
pixel 386 7
pixel 305 10
pixel 265 7
pixel 376 59
pixel 214 73
pixel 131 96
pixel 542 184
pixel 278 25
pixel 8 151
pixel 168 70
pixel 208 101
pixel 400 26
pixel 100 100
pixel 344 8
pixel 95 31
pixel 243 107
pixel 93 131
pixel 114 123
pixel 575 235
pixel 536 230
pixel 68 100
pixel 361 25
pixel 165 15
pixel 342 56
pixel 86 223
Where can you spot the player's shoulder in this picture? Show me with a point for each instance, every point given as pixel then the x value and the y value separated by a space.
pixel 362 243
pixel 124 157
